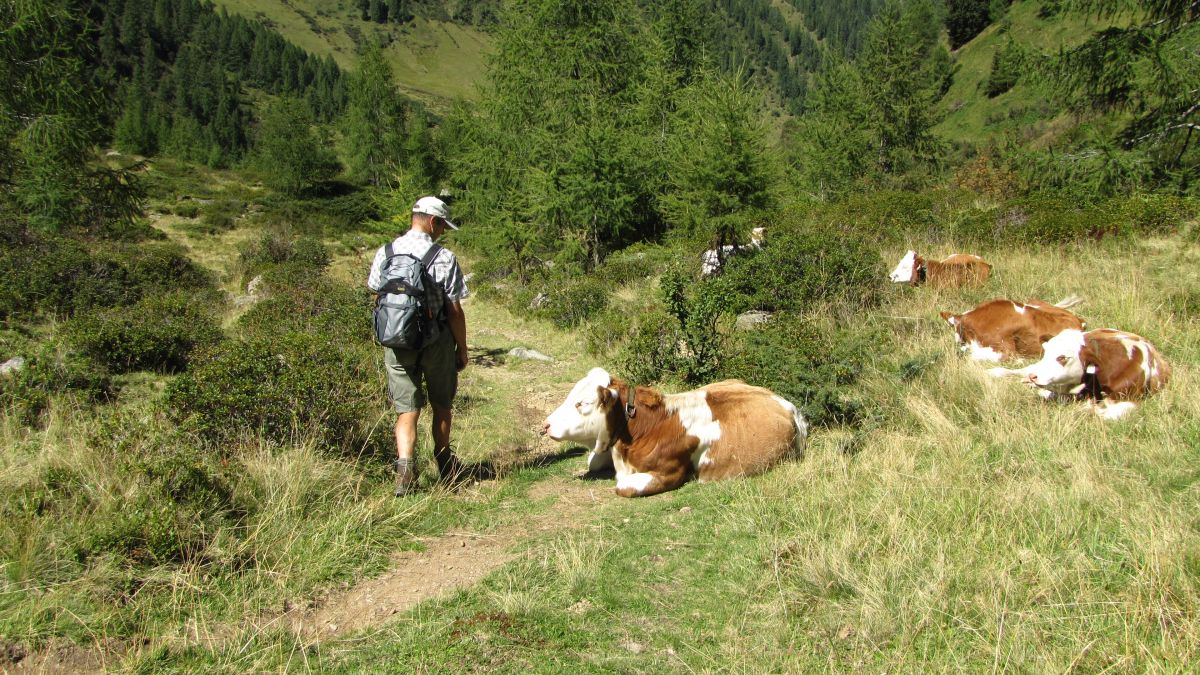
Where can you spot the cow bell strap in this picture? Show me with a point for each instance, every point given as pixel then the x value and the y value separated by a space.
pixel 630 407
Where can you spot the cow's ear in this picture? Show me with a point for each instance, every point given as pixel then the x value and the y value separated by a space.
pixel 949 318
pixel 606 396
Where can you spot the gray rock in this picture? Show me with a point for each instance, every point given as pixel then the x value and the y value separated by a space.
pixel 539 301
pixel 523 353
pixel 751 319
pixel 14 365
pixel 255 286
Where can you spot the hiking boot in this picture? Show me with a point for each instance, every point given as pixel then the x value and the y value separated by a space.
pixel 406 476
pixel 450 469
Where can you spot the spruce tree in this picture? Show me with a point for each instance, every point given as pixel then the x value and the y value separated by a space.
pixel 291 154
pixel 375 121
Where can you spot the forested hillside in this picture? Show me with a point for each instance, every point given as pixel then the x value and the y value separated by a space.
pixel 196 443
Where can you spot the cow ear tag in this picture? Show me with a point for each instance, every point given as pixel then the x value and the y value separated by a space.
pixel 1090 370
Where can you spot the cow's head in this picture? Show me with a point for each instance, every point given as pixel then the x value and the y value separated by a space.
pixel 582 418
pixel 758 235
pixel 904 271
pixel 1065 359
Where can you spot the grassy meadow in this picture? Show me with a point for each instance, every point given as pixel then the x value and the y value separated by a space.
pixel 962 524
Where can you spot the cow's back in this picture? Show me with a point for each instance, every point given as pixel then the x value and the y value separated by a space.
pixel 757 430
pixel 960 269
pixel 1016 329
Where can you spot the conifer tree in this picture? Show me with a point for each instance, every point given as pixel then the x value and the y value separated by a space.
pixel 291 154
pixel 51 116
pixel 375 121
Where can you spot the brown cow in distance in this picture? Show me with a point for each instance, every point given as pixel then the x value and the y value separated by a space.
pixel 1003 329
pixel 960 269
pixel 657 441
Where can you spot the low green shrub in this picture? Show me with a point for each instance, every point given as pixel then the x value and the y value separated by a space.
pixel 794 270
pixel 565 299
pixel 813 367
pixel 62 276
pixel 304 301
pixel 51 370
pixel 180 498
pixel 281 387
pixel 278 248
pixel 320 216
pixel 158 333
pixel 220 215
pixel 187 209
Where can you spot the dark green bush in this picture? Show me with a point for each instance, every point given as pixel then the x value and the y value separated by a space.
pixel 49 371
pixel 278 248
pixel 64 276
pixel 304 301
pixel 565 299
pixel 219 214
pixel 1156 213
pixel 321 217
pixel 652 350
pixel 795 269
pixel 881 216
pixel 278 386
pixel 812 367
pixel 158 333
pixel 187 209
pixel 182 499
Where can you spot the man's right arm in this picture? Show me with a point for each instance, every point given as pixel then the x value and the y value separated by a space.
pixel 457 319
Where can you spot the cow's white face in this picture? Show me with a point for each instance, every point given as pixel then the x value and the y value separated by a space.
pixel 581 418
pixel 1060 369
pixel 903 273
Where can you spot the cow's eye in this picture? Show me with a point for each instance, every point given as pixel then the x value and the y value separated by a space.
pixel 1062 360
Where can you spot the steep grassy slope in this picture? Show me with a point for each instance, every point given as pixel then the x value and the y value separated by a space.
pixel 433 60
pixel 1026 109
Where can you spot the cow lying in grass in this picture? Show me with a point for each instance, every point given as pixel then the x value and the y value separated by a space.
pixel 1002 329
pixel 657 441
pixel 960 269
pixel 1107 368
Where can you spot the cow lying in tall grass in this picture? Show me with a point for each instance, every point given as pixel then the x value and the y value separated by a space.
pixel 1110 369
pixel 960 269
pixel 657 441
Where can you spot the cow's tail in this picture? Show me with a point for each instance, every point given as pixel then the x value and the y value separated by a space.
pixel 800 440
pixel 1069 302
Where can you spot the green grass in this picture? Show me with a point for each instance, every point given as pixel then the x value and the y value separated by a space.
pixel 433 61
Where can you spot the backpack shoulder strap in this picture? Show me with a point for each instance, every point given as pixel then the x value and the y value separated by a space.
pixel 389 252
pixel 430 255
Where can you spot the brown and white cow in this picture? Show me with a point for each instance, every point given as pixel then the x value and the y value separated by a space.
pixel 960 269
pixel 1108 368
pixel 1002 329
pixel 657 441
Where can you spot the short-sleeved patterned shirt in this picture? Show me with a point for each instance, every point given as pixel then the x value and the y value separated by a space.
pixel 444 269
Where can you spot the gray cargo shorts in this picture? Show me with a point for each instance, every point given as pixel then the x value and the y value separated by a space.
pixel 435 363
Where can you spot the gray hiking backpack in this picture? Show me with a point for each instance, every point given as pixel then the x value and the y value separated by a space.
pixel 403 319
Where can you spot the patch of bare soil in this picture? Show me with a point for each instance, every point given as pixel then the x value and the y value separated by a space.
pixel 450 562
pixel 57 658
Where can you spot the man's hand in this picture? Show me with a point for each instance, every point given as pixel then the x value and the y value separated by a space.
pixel 463 359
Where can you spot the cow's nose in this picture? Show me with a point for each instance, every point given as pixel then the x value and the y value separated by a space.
pixel 1033 378
pixel 545 428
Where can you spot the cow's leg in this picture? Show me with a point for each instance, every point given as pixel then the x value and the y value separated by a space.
pixel 1112 410
pixel 599 460
pixel 639 485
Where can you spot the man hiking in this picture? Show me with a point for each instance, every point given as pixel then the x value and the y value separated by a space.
pixel 443 349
